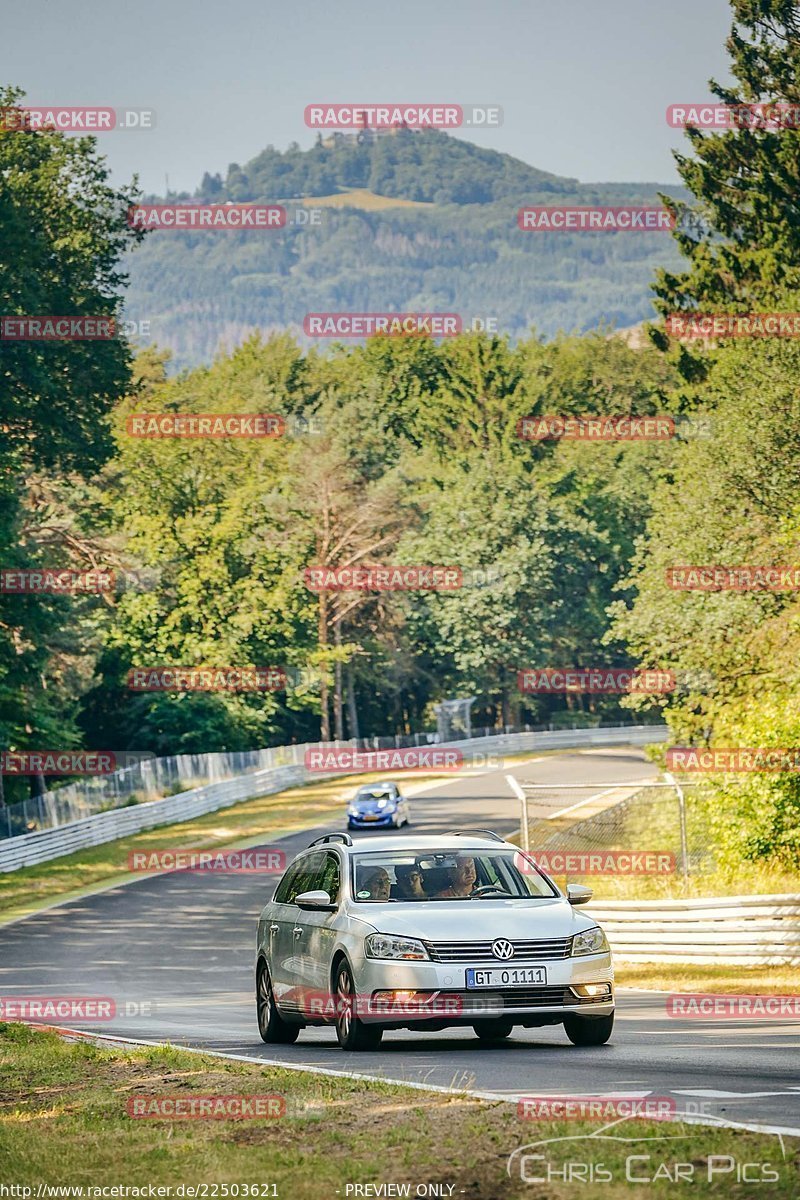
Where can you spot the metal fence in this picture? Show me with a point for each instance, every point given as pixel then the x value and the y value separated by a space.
pixel 151 778
pixel 569 823
pixel 43 845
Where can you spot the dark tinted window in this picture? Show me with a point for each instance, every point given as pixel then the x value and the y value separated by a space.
pixel 300 878
pixel 285 885
pixel 330 877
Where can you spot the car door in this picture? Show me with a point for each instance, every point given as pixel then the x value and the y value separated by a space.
pixel 315 930
pixel 281 927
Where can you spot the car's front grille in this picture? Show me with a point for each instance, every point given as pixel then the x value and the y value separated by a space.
pixel 521 997
pixel 481 952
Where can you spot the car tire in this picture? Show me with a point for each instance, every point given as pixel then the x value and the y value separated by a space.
pixel 352 1033
pixel 271 1024
pixel 493 1029
pixel 588 1031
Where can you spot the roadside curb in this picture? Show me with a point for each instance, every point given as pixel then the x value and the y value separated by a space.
pixel 489 1097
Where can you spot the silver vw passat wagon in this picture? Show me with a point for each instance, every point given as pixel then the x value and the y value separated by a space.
pixel 427 932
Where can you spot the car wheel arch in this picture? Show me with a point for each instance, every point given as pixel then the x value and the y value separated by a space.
pixel 340 956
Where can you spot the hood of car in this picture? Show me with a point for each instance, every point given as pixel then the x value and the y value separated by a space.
pixel 477 920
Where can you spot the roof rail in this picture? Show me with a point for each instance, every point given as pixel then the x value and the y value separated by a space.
pixel 486 833
pixel 331 837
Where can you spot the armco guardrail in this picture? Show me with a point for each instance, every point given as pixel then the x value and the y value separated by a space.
pixel 735 930
pixel 31 848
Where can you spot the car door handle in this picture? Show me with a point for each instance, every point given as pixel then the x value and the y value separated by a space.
pixel 274 928
pixel 298 931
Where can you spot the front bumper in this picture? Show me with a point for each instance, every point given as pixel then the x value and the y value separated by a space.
pixel 381 821
pixel 441 997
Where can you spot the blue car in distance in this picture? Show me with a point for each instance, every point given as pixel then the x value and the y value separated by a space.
pixel 377 806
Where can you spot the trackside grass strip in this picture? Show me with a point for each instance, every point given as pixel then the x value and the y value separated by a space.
pixel 64 1122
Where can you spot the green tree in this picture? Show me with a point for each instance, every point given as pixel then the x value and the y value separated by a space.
pixel 745 250
pixel 62 235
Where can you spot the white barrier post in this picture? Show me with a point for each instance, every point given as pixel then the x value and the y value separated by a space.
pixel 523 802
pixel 682 817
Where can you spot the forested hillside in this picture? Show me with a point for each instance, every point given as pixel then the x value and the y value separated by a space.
pixel 464 254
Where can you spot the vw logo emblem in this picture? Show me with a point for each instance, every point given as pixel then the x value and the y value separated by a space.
pixel 502 949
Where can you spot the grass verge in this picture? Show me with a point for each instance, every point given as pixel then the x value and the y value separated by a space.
pixel 690 977
pixel 64 1121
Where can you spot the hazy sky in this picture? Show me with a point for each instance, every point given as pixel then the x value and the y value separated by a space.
pixel 583 83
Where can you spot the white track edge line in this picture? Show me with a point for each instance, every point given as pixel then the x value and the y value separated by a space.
pixel 686 1118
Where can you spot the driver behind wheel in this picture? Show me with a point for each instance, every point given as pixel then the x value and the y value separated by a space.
pixel 462 880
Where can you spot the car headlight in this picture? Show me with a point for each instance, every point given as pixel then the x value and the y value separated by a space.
pixel 353 810
pixel 386 945
pixel 591 941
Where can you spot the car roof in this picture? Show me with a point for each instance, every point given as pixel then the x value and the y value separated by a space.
pixel 439 841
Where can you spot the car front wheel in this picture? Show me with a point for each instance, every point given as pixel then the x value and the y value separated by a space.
pixel 271 1024
pixel 588 1031
pixel 352 1033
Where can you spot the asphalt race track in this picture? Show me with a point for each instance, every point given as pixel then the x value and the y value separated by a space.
pixel 183 944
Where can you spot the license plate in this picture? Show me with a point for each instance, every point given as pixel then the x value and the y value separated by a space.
pixel 494 977
pixel 370 817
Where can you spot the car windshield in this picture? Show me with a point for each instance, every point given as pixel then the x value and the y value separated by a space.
pixel 433 875
pixel 373 793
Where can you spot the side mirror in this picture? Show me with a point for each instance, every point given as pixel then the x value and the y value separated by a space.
pixel 315 900
pixel 576 893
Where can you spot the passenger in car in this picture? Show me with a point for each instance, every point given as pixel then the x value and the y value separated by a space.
pixel 409 882
pixel 377 885
pixel 434 879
